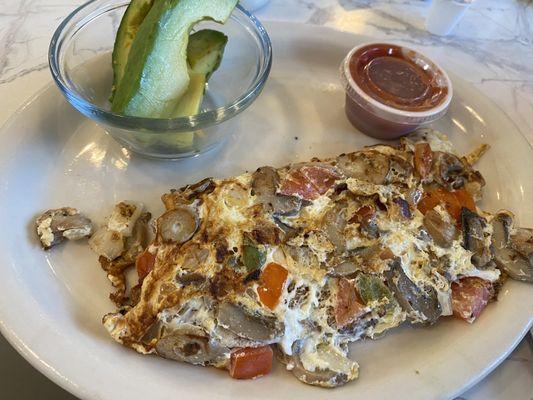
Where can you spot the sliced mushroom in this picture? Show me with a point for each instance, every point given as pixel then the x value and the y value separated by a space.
pixel 191 344
pixel 243 323
pixel 474 183
pixel 334 223
pixel 288 231
pixel 177 225
pixel 205 186
pixel 442 232
pixel 117 267
pixel 370 165
pixel 267 233
pixel 340 368
pixel 346 269
pixel 399 170
pixel 54 226
pixel 448 170
pixel 474 237
pixel 522 241
pixel 512 253
pixel 413 299
pixel 265 183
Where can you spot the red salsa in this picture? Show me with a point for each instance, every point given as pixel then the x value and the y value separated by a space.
pixel 389 74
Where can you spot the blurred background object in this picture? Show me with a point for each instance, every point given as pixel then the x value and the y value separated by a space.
pixel 252 5
pixel 444 15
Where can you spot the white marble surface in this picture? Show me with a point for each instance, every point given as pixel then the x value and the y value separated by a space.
pixel 492 48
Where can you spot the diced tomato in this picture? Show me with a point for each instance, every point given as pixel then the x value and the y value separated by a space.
pixel 453 202
pixel 321 178
pixel 250 362
pixel 465 199
pixel 423 159
pixel 348 307
pixel 297 184
pixel 469 297
pixel 145 263
pixel 271 283
pixel 308 182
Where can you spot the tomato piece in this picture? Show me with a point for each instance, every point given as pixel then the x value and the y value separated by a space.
pixel 453 202
pixel 348 306
pixel 271 283
pixel 423 159
pixel 321 178
pixel 465 199
pixel 433 198
pixel 297 184
pixel 470 296
pixel 250 362
pixel 308 182
pixel 145 263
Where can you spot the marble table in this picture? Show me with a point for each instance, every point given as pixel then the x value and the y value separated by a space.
pixel 492 48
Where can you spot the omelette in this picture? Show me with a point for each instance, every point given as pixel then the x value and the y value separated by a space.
pixel 302 260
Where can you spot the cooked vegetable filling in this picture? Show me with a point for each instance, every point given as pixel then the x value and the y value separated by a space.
pixel 310 257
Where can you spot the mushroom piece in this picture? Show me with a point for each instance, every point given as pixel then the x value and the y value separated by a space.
pixel 131 247
pixel 177 225
pixel 448 170
pixel 288 231
pixel 474 228
pixel 413 299
pixel 191 344
pixel 187 194
pixel 265 181
pixel 346 269
pixel 370 165
pixel 399 170
pixel 205 186
pixel 54 226
pixel 334 224
pixel 340 368
pixel 442 232
pixel 513 253
pixel 522 241
pixel 253 326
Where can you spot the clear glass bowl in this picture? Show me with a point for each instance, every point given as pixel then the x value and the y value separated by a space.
pixel 80 62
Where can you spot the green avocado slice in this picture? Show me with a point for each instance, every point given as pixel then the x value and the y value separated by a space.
pixel 204 54
pixel 156 73
pixel 129 25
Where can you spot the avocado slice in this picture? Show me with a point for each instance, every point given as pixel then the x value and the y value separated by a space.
pixel 129 25
pixel 204 54
pixel 156 73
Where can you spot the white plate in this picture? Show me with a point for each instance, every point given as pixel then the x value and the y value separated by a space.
pixel 51 303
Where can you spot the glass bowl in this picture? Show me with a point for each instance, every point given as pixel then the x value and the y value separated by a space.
pixel 80 62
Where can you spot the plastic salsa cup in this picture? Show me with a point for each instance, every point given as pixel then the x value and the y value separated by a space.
pixel 391 90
